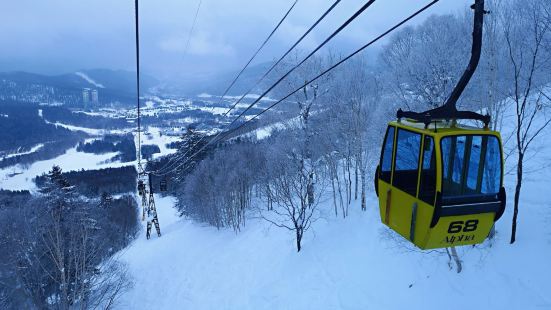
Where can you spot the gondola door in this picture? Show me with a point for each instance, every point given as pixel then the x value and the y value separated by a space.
pixel 383 178
pixel 407 182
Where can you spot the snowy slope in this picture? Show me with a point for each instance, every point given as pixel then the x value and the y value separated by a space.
pixel 345 264
pixel 352 263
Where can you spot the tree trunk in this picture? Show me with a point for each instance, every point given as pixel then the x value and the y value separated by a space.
pixel 269 196
pixel 348 164
pixel 517 196
pixel 334 190
pixel 362 172
pixel 339 189
pixel 346 187
pixel 310 189
pixel 356 177
pixel 299 238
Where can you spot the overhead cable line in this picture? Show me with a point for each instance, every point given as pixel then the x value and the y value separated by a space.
pixel 344 25
pixel 136 16
pixel 256 53
pixel 334 66
pixel 241 72
pixel 329 38
pixel 323 73
pixel 192 27
pixel 284 55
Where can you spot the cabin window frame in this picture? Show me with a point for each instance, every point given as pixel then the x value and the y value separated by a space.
pixel 434 155
pixel 462 198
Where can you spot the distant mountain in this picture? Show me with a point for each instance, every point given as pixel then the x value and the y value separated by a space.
pixel 112 85
pixel 216 84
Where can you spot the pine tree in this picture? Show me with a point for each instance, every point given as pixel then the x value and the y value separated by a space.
pixel 58 192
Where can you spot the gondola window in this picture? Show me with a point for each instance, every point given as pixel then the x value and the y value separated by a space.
pixel 386 161
pixel 471 166
pixel 406 166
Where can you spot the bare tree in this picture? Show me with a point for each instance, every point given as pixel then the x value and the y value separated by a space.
pixel 358 93
pixel 308 99
pixel 290 181
pixel 526 31
pixel 108 285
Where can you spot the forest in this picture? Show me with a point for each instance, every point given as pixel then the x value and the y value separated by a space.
pixel 22 128
pixel 122 144
pixel 94 183
pixel 69 117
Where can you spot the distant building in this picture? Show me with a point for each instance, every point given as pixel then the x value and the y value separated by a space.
pixel 94 96
pixel 86 95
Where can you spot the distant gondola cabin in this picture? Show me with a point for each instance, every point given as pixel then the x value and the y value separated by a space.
pixel 441 185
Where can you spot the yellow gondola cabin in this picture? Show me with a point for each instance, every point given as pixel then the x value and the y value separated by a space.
pixel 441 186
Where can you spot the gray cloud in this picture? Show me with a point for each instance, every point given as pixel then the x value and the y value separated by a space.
pixel 57 36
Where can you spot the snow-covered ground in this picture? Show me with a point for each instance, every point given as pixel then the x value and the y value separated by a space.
pixel 21 177
pixel 214 110
pixel 347 263
pixel 155 137
pixel 227 97
pixel 18 153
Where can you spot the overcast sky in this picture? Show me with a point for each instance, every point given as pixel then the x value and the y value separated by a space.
pixel 58 36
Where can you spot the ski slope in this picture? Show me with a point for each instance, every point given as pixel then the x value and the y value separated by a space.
pixel 352 263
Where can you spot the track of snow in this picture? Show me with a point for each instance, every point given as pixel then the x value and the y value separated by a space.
pixel 32 150
pixel 91 131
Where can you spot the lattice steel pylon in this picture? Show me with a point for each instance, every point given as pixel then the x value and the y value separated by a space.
pixel 145 190
pixel 142 191
pixel 152 217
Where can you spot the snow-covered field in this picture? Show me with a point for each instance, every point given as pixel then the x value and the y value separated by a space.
pixel 227 97
pixel 18 153
pixel 155 137
pixel 352 263
pixel 21 177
